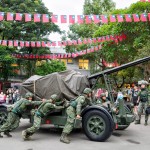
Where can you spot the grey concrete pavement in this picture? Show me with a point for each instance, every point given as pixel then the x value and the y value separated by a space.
pixel 136 137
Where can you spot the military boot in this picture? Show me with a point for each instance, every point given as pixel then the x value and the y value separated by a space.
pixel 25 135
pixel 7 133
pixel 64 138
pixel 145 123
pixel 137 122
pixel 1 135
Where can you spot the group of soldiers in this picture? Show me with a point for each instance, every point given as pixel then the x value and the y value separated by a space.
pixel 44 107
pixel 73 111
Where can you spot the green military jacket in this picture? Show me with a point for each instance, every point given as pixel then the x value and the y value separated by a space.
pixel 100 102
pixel 143 94
pixel 22 105
pixel 46 107
pixel 80 102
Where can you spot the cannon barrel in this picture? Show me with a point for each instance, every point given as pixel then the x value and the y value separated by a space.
pixel 116 69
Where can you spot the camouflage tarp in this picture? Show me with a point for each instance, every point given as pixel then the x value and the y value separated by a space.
pixel 67 84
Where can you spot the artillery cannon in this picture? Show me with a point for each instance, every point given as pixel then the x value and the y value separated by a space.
pixel 97 121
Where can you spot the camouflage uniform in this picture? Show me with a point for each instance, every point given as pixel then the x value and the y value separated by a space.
pixel 44 109
pixel 72 111
pixel 14 115
pixel 103 102
pixel 143 104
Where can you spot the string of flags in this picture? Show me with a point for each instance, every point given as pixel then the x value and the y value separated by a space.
pixel 58 56
pixel 145 0
pixel 80 19
pixel 16 43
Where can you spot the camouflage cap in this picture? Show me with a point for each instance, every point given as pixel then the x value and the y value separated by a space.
pixel 28 94
pixel 87 91
pixel 103 95
pixel 54 97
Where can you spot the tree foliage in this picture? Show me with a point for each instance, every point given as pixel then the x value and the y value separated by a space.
pixel 26 31
pixel 50 67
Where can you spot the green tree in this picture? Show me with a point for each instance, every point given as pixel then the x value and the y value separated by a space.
pixel 98 6
pixel 138 36
pixel 26 31
pixel 6 61
pixel 50 67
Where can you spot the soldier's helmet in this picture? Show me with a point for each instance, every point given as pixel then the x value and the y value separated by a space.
pixel 54 97
pixel 87 91
pixel 28 95
pixel 102 95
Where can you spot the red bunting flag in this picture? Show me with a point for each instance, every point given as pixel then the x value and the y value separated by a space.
pixel 85 41
pixel 21 43
pixel 103 39
pixel 38 44
pixel 96 48
pixel 4 42
pixel 27 43
pixel 104 19
pixel 80 19
pixel 128 18
pixel 48 44
pixel 27 17
pixel 74 42
pixel 96 18
pixel 69 42
pixel 99 39
pixel 94 40
pixel 18 17
pixel 63 19
pixel 10 43
pixel 143 17
pixel 1 16
pixel 79 42
pixel 32 44
pixel 43 44
pixel 89 40
pixel 107 38
pixel 148 0
pixel 112 18
pixel 54 18
pixel 45 18
pixel 136 18
pixel 120 18
pixel 72 19
pixel 16 43
pixel 37 17
pixel 88 19
pixel 64 43
pixel 53 43
pixel 59 43
pixel 10 16
pixel 149 16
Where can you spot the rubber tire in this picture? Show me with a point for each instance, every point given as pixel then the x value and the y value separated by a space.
pixel 108 131
pixel 4 110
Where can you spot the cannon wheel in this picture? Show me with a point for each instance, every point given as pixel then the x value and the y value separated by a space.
pixel 96 126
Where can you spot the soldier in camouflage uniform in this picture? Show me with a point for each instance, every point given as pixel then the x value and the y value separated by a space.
pixel 44 109
pixel 103 100
pixel 14 115
pixel 74 111
pixel 143 103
